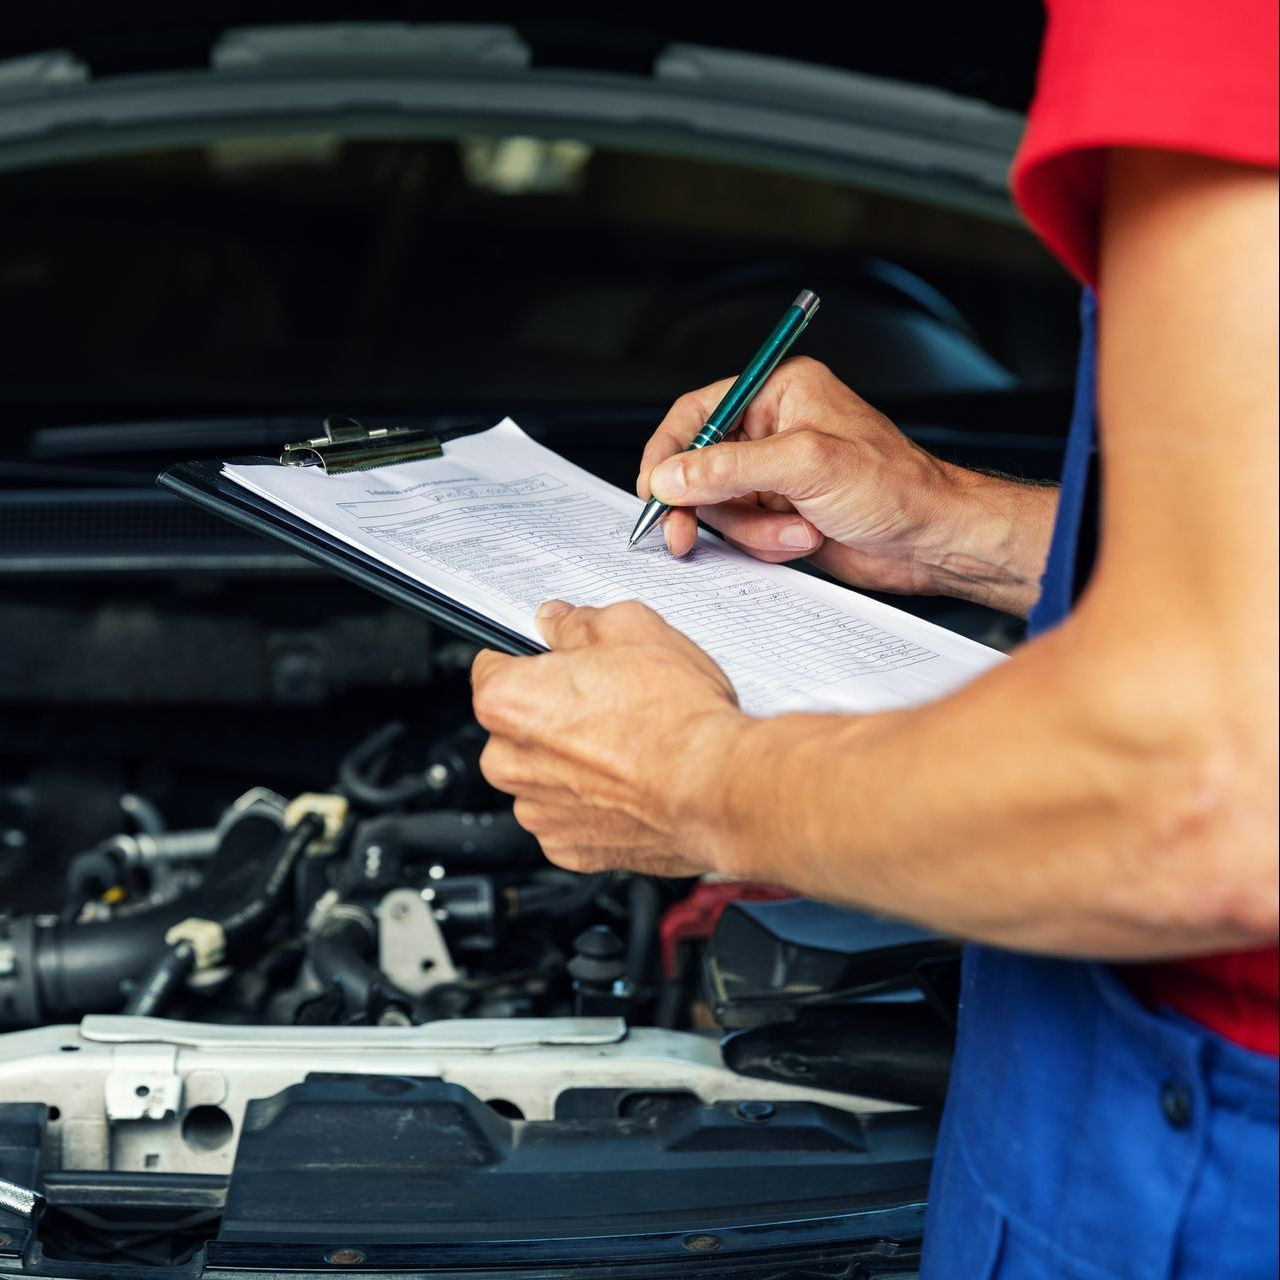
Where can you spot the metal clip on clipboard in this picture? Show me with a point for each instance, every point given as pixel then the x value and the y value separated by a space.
pixel 345 446
pixel 348 446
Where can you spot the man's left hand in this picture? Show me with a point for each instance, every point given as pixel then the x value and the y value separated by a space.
pixel 609 741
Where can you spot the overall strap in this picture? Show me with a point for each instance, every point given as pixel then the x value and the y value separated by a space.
pixel 1073 548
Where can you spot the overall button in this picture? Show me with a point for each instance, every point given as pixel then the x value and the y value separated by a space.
pixel 1175 1102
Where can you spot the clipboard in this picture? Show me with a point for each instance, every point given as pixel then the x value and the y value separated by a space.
pixel 342 448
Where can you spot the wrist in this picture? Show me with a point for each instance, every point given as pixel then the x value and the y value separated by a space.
pixel 990 545
pixel 702 810
pixel 743 801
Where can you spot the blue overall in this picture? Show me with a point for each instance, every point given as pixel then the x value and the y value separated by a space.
pixel 1086 1137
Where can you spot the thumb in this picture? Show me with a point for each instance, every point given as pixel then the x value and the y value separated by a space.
pixel 723 471
pixel 565 626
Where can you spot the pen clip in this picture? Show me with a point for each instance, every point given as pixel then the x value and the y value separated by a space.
pixel 348 446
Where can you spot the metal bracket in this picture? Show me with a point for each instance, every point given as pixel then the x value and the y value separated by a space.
pixel 144 1083
pixel 412 951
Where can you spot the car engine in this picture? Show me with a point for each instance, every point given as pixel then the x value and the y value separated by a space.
pixel 252 872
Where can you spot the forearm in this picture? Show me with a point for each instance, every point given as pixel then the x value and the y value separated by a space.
pixel 1018 812
pixel 992 548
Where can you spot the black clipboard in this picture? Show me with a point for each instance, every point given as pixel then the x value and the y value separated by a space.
pixel 204 484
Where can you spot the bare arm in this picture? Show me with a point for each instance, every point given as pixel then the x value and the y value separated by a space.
pixel 1111 790
pixel 816 472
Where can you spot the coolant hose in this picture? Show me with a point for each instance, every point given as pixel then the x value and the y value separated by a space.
pixel 167 976
pixel 66 970
pixel 644 905
pixel 175 964
pixel 248 918
pixel 338 952
pixel 460 840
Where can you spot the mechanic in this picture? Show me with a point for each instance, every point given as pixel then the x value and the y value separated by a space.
pixel 1099 814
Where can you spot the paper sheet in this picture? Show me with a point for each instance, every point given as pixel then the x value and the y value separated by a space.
pixel 501 523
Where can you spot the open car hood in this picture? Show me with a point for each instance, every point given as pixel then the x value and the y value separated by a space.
pixel 70 90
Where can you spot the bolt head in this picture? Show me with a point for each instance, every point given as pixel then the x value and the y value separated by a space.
pixel 703 1243
pixel 344 1257
pixel 755 1110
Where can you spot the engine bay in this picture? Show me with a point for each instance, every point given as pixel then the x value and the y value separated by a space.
pixel 217 960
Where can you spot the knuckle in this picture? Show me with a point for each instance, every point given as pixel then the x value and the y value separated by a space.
pixel 490 765
pixel 812 450
pixel 626 614
pixel 483 701
pixel 684 407
pixel 526 814
pixel 720 467
pixel 491 701
pixel 585 622
pixel 806 367
pixel 498 765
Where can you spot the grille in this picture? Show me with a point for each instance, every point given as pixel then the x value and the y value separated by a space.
pixel 125 524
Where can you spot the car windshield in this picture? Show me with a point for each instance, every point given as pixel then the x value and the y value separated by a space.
pixel 310 273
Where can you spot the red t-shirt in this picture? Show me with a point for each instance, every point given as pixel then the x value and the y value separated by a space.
pixel 1181 75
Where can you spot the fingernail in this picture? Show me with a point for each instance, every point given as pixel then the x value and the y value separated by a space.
pixel 668 481
pixel 796 535
pixel 553 608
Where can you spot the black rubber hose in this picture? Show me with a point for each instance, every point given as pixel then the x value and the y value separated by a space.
pixel 67 970
pixel 167 976
pixel 339 956
pixel 644 905
pixel 556 893
pixel 358 772
pixel 249 917
pixel 171 969
pixel 454 837
pixel 85 968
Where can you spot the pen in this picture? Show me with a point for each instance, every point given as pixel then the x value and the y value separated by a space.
pixel 741 394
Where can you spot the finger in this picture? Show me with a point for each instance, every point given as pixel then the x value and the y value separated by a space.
pixel 769 557
pixel 684 420
pixel 767 414
pixel 565 626
pixel 627 618
pixel 756 529
pixel 763 417
pixel 529 814
pixel 497 692
pixel 503 765
pixel 486 664
pixel 791 464
pixel 680 529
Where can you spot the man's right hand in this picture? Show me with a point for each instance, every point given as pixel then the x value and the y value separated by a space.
pixel 814 471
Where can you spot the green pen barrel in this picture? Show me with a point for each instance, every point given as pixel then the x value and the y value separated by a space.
pixel 761 365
